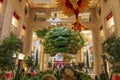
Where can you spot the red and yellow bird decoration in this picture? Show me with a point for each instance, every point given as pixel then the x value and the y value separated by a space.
pixel 74 7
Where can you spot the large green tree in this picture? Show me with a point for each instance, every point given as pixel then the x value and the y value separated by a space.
pixel 112 48
pixel 8 47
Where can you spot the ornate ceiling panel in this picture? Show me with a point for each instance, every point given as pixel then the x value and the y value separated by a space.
pixel 42 3
pixel 51 3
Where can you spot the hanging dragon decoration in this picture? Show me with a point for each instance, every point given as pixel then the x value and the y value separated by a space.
pixel 74 7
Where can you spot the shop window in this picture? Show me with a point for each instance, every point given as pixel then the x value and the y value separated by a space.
pixel 15 24
pixel 110 24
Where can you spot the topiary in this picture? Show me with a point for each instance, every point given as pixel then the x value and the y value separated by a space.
pixel 63 40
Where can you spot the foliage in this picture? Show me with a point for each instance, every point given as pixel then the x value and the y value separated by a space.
pixel 8 47
pixel 67 57
pixel 36 61
pixel 49 64
pixel 57 74
pixel 28 77
pixel 62 39
pixel 41 33
pixel 35 65
pixel 29 62
pixel 103 76
pixel 31 78
pixel 112 47
pixel 87 58
pixel 80 75
pixel 83 76
pixel 78 66
pixel 19 73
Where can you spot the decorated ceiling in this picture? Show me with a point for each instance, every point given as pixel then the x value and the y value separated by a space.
pixel 51 3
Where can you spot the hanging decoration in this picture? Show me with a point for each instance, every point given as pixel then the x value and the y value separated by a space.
pixel 63 40
pixel 41 33
pixel 74 7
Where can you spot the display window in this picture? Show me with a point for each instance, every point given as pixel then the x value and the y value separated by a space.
pixel 110 23
pixel 15 24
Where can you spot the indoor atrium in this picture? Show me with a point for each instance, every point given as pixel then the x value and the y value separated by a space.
pixel 59 39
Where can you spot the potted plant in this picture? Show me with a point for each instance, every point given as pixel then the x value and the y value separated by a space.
pixel 112 48
pixel 8 47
